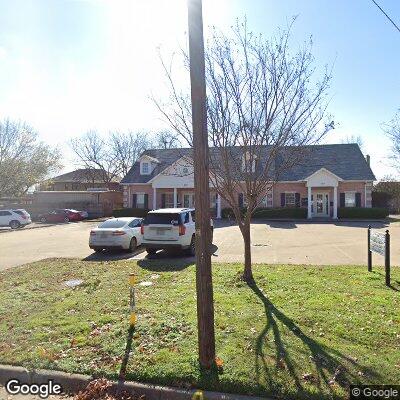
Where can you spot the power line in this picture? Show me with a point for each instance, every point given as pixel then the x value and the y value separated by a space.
pixel 387 16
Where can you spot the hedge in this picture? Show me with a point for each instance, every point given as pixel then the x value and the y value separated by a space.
pixel 284 212
pixel 228 212
pixel 363 213
pixel 130 212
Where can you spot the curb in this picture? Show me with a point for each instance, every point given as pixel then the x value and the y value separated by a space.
pixel 26 228
pixel 73 383
pixel 49 225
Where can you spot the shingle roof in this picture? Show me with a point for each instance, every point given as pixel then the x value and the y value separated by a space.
pixel 344 160
pixel 83 175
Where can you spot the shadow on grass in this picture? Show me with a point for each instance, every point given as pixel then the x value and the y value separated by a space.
pixel 395 284
pixel 169 260
pixel 113 255
pixel 164 261
pixel 329 363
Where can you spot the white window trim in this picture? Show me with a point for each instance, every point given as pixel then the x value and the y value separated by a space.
pixel 167 204
pixel 291 192
pixel 139 194
pixel 265 200
pixel 141 168
pixel 351 192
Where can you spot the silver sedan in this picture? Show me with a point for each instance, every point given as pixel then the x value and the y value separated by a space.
pixel 117 234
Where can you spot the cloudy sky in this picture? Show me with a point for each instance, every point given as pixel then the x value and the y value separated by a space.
pixel 67 66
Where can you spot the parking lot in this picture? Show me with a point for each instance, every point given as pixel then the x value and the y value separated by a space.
pixel 272 242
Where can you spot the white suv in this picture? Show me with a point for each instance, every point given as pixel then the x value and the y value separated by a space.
pixel 170 228
pixel 14 218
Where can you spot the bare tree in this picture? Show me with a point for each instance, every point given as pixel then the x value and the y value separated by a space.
pixel 166 140
pixel 354 139
pixel 392 130
pixel 127 147
pixel 24 160
pixel 263 112
pixel 113 154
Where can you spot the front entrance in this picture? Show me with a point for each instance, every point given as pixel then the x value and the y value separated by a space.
pixel 321 205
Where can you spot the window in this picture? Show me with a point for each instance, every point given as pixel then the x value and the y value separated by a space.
pixel 169 200
pixel 186 218
pixel 267 200
pixel 349 199
pixel 113 223
pixel 145 168
pixel 185 170
pixel 140 200
pixel 213 200
pixel 4 213
pixel 162 219
pixel 290 199
pixel 246 167
pixel 135 223
pixel 193 216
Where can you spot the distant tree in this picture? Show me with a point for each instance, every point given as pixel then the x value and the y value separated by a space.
pixel 24 160
pixel 127 147
pixel 354 139
pixel 386 193
pixel 259 101
pixel 166 140
pixel 392 130
pixel 113 154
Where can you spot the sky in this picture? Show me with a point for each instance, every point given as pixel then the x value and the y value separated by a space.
pixel 68 66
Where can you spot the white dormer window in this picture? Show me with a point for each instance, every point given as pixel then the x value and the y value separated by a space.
pixel 145 168
pixel 246 167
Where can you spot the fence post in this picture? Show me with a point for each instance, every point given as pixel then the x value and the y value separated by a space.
pixel 369 249
pixel 132 281
pixel 387 258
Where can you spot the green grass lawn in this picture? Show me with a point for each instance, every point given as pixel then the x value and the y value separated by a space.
pixel 300 332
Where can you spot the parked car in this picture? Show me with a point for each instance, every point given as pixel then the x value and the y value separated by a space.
pixel 83 214
pixel 170 228
pixel 117 234
pixel 15 218
pixel 60 215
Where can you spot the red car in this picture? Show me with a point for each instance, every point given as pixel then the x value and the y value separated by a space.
pixel 60 215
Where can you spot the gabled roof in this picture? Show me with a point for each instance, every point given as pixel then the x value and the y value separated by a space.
pixel 344 160
pixel 83 175
pixel 325 171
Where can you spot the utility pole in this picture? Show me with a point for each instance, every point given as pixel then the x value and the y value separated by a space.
pixel 205 301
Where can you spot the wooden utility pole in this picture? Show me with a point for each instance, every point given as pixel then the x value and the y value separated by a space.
pixel 205 302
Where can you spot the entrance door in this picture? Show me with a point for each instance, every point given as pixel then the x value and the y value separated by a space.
pixel 188 200
pixel 321 204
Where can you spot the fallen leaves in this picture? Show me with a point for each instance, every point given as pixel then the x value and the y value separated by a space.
pixel 102 389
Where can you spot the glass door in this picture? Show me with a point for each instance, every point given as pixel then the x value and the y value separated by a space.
pixel 321 208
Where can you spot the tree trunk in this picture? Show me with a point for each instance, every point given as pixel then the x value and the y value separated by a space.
pixel 247 273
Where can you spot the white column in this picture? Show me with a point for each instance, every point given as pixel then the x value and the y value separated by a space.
pixel 218 206
pixel 175 197
pixel 309 203
pixel 335 202
pixel 154 198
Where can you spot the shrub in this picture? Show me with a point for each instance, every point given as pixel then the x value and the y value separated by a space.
pixel 269 213
pixel 284 212
pixel 228 212
pixel 130 212
pixel 363 213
